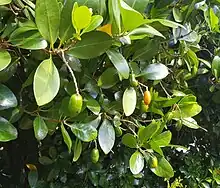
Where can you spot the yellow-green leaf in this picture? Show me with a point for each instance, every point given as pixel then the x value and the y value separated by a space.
pixel 129 101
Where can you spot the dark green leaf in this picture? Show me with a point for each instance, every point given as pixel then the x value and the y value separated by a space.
pixel 93 44
pixel 44 160
pixel 119 62
pixel 32 178
pixel 66 138
pixel 138 5
pixel 77 150
pixel 7 131
pixel 108 78
pixel 40 128
pixel 48 19
pixel 106 136
pixel 84 131
pixel 7 98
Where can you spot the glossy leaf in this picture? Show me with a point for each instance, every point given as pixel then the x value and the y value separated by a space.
pixel 108 78
pixel 131 18
pixel 119 62
pixel 96 20
pixel 106 136
pixel 187 110
pixel 27 38
pixel 48 19
pixel 7 131
pixel 148 132
pixel 46 82
pixel 66 29
pixel 81 17
pixel 77 150
pixel 162 139
pixel 40 128
pixel 5 59
pixel 66 137
pixel 164 169
pixel 190 122
pixel 129 101
pixel 136 162
pixel 139 5
pixel 114 14
pixel 216 66
pixel 93 44
pixel 84 131
pixel 93 105
pixel 155 71
pixel 7 98
pixel 129 140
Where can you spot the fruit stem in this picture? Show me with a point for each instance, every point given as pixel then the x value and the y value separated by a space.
pixel 71 71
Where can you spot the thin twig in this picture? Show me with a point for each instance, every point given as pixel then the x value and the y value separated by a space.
pixel 71 71
pixel 168 95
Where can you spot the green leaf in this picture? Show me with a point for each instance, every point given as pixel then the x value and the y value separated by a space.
pixel 40 128
pixel 48 19
pixel 7 98
pixel 214 20
pixel 148 132
pixel 162 139
pixel 146 50
pixel 5 2
pixel 186 110
pixel 32 178
pixel 164 169
pixel 77 150
pixel 66 29
pixel 114 14
pixel 145 30
pixel 95 123
pixel 93 44
pixel 216 66
pixel 93 105
pixel 167 23
pixel 136 162
pixel 190 122
pixel 178 16
pixel 84 131
pixel 155 71
pixel 119 62
pixel 106 136
pixel 95 22
pixel 138 5
pixel 129 101
pixel 131 18
pixel 81 17
pixel 5 59
pixel 46 82
pixel 108 78
pixel 7 131
pixel 66 138
pixel 27 38
pixel 156 148
pixel 129 140
pixel 44 160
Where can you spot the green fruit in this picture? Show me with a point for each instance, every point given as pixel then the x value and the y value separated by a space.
pixel 118 131
pixel 75 104
pixel 144 107
pixel 153 162
pixel 95 155
pixel 133 81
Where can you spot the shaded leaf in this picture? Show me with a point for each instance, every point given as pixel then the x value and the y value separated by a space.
pixel 7 131
pixel 40 128
pixel 119 62
pixel 93 105
pixel 7 98
pixel 93 44
pixel 66 137
pixel 5 2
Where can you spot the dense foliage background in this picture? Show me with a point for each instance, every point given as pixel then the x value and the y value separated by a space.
pixel 114 93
